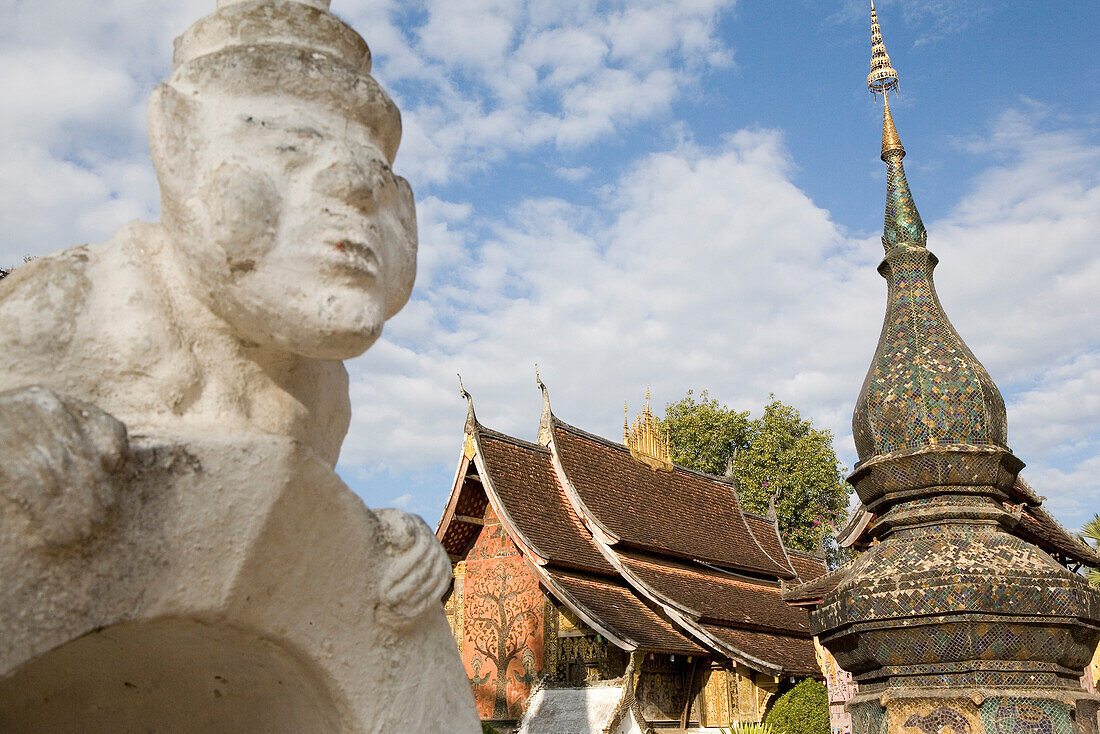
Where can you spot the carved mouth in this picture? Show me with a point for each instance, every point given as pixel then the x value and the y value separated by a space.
pixel 357 256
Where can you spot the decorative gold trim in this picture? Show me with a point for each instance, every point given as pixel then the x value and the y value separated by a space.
pixel 469 447
pixel 891 141
pixel 647 441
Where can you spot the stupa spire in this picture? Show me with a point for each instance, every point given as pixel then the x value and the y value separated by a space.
pixel 902 223
pixel 950 618
pixel 925 386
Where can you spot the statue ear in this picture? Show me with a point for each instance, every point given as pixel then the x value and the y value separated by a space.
pixel 171 140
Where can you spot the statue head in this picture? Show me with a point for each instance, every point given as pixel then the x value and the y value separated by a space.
pixel 272 145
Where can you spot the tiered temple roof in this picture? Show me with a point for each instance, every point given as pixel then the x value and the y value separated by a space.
pixel 653 557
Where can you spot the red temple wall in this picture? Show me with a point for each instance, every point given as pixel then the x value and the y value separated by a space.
pixel 502 642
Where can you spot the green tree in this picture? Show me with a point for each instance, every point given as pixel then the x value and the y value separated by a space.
pixel 1092 532
pixel 704 434
pixel 802 710
pixel 779 454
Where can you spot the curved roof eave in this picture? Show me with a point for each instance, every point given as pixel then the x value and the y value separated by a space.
pixel 682 616
pixel 526 547
pixel 850 533
pixel 595 527
pixel 599 529
pixel 774 524
pixel 452 501
pixel 620 640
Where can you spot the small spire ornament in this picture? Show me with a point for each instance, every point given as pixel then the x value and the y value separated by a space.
pixel 882 78
pixel 647 441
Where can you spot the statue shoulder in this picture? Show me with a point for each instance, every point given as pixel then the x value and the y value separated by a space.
pixel 60 311
pixel 41 300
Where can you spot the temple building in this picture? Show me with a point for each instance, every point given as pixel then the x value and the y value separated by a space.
pixel 597 579
pixel 962 613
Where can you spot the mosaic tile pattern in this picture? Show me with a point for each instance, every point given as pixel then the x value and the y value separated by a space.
pixel 933 716
pixel 868 718
pixel 948 609
pixel 1026 716
pixel 925 387
pixel 902 224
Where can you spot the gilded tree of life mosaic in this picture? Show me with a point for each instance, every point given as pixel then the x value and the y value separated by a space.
pixel 503 645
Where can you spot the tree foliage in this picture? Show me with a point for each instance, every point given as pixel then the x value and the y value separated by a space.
pixel 1092 532
pixel 777 454
pixel 802 710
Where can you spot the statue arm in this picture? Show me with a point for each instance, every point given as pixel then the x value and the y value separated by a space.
pixel 63 461
pixel 417 571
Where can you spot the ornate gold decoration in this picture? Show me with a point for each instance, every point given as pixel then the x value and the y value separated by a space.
pixel 716 699
pixel 882 78
pixel 570 626
pixel 1094 667
pixel 647 441
pixel 891 141
pixel 748 696
pixel 469 447
pixel 454 606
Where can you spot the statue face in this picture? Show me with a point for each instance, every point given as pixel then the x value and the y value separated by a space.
pixel 290 224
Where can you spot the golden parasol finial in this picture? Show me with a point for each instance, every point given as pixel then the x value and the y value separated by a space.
pixel 883 77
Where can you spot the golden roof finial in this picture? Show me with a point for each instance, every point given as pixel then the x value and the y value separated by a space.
pixel 891 141
pixel 902 221
pixel 647 441
pixel 882 78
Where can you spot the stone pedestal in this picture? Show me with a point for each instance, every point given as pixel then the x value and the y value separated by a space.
pixel 230 587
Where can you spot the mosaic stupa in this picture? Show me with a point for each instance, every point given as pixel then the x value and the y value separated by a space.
pixel 953 618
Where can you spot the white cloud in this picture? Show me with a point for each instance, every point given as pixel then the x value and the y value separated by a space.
pixel 709 268
pixel 73 162
pixel 480 79
pixel 699 268
pixel 476 79
pixel 573 174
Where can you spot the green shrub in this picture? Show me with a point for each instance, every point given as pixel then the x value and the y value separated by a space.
pixel 486 729
pixel 802 710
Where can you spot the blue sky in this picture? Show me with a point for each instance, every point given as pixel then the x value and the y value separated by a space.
pixel 680 193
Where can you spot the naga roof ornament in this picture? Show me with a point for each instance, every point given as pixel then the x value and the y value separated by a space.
pixel 925 387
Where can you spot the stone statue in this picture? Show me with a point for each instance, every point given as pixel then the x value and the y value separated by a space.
pixel 176 551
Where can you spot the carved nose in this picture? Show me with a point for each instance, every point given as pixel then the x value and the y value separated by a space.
pixel 349 183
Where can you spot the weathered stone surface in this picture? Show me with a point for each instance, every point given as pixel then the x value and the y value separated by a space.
pixel 176 551
pixel 239 583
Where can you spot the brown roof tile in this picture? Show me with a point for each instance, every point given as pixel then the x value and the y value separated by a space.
pixel 806 566
pixel 716 596
pixel 683 514
pixel 1038 526
pixel 794 654
pixel 680 512
pixel 525 481
pixel 618 607
pixel 458 535
pixel 767 536
pixel 814 590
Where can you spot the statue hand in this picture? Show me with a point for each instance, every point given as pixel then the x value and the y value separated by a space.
pixel 418 571
pixel 60 465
